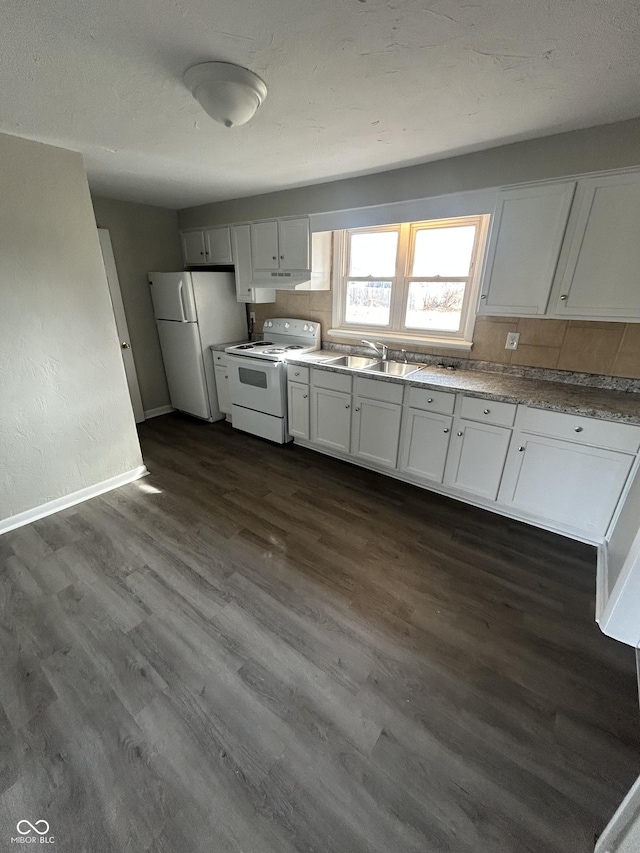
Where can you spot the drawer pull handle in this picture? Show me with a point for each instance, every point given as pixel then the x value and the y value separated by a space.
pixel 484 296
pixel 487 411
pixel 445 430
pixel 579 429
pixel 460 432
pixel 521 448
pixel 430 400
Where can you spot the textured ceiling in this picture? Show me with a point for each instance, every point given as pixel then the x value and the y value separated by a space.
pixel 355 86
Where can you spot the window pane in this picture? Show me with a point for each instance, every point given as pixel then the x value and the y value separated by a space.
pixel 435 305
pixel 443 251
pixel 368 302
pixel 373 254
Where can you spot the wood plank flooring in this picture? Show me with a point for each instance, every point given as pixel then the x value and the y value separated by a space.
pixel 259 649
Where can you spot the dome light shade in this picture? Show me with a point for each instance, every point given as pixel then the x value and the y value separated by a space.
pixel 228 93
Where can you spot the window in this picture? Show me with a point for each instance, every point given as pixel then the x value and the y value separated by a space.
pixel 412 282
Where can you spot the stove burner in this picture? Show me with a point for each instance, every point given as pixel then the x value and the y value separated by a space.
pixel 273 351
pixel 263 344
pixel 245 346
pixel 295 346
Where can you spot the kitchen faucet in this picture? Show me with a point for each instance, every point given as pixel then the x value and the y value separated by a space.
pixel 383 353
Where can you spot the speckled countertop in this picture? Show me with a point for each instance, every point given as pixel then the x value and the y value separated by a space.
pixel 540 394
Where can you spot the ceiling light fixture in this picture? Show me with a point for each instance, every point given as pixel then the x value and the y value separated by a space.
pixel 228 93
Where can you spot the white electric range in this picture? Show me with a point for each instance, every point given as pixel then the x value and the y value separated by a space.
pixel 258 376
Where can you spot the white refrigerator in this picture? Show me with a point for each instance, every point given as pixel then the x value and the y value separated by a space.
pixel 195 310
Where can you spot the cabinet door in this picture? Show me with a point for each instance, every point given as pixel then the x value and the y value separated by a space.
pixel 298 409
pixel 264 245
pixel 598 274
pixel 294 244
pixel 425 442
pixel 331 419
pixel 570 484
pixel 222 386
pixel 376 431
pixel 245 292
pixel 218 245
pixel 526 235
pixel 477 457
pixel 193 248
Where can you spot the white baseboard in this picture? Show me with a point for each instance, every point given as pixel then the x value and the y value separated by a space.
pixel 81 495
pixel 161 410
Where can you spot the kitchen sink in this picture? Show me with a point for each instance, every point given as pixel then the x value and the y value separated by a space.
pixel 394 368
pixel 355 361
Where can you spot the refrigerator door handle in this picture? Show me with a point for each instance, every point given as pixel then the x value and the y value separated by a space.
pixel 182 306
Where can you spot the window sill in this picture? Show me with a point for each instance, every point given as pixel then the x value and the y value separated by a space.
pixel 404 340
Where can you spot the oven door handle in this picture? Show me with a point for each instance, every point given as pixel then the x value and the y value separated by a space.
pixel 245 361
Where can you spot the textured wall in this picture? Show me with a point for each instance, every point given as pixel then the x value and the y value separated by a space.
pixel 583 346
pixel 144 239
pixel 65 421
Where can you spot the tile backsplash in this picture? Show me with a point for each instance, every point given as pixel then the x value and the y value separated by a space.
pixel 611 349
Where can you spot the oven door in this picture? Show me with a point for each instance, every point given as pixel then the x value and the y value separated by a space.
pixel 256 384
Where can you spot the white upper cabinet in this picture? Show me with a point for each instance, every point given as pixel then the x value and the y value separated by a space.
pixel 281 245
pixel 217 245
pixel 207 246
pixel 193 248
pixel 598 273
pixel 526 236
pixel 264 246
pixel 245 292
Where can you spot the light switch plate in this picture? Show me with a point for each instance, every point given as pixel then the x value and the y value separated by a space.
pixel 512 340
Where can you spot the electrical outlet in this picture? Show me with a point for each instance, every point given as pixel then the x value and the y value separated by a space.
pixel 512 340
pixel 252 316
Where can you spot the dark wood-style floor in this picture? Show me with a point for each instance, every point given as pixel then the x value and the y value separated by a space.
pixel 264 650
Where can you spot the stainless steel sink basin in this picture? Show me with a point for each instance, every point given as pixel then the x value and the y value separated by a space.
pixel 355 361
pixel 394 368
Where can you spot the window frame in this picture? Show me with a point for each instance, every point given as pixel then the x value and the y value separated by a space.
pixel 396 330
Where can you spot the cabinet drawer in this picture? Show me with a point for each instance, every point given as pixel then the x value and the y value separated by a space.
pixel 295 373
pixel 432 401
pixel 375 389
pixel 332 381
pixel 578 428
pixel 219 358
pixel 488 411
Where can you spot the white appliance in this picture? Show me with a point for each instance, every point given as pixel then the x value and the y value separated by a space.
pixel 195 310
pixel 258 376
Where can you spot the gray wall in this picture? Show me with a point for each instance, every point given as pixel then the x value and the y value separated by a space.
pixel 144 239
pixel 65 421
pixel 607 147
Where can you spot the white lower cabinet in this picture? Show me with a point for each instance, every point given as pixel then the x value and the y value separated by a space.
pixel 376 431
pixel 298 409
pixel 573 485
pixel 222 387
pixel 477 457
pixel 425 443
pixel 331 419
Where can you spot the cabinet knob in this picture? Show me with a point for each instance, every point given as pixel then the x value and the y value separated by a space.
pixel 487 411
pixel 357 408
pixel 297 373
pixel 484 296
pixel 202 253
pixel 282 257
pixel 226 377
pixel 564 297
pixel 579 429
pixel 348 406
pixel 304 396
pixel 459 432
pixel 125 345
pixel 430 400
pixel 521 448
pixel 445 430
pixel 274 258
